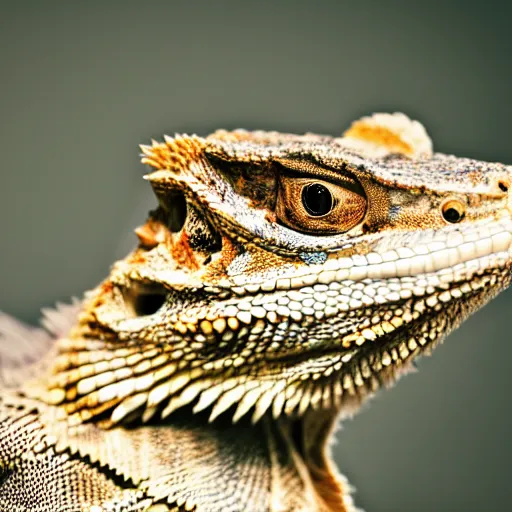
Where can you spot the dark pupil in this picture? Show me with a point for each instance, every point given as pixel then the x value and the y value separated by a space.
pixel 452 215
pixel 317 199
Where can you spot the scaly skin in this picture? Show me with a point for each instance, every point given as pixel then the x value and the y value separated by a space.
pixel 207 371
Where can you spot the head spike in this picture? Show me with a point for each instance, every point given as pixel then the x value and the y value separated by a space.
pixel 174 154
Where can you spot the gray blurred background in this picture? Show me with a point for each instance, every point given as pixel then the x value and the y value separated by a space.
pixel 83 84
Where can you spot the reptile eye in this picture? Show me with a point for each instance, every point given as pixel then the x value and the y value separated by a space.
pixel 453 211
pixel 320 207
pixel 317 199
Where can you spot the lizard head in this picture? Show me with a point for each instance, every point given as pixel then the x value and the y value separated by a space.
pixel 284 274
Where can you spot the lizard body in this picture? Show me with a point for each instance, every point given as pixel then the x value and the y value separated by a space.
pixel 280 282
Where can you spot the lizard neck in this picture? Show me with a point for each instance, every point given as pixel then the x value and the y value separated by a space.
pixel 286 461
pixel 274 465
pixel 306 441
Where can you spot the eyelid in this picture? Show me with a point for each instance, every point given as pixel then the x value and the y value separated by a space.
pixel 311 169
pixel 308 169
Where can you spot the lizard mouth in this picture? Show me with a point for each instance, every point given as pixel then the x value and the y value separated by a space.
pixel 413 329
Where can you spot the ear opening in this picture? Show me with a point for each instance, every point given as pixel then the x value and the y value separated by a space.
pixel 144 299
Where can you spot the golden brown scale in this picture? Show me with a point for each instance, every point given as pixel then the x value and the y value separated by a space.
pixel 151 234
pixel 183 254
pixel 380 136
pixel 176 153
pixel 218 267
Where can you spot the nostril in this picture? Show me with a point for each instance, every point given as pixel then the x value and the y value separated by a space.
pixel 503 186
pixel 143 299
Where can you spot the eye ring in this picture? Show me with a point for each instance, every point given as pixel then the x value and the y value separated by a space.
pixel 317 199
pixel 453 211
pixel 318 207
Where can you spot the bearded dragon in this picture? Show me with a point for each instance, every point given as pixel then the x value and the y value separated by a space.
pixel 279 283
